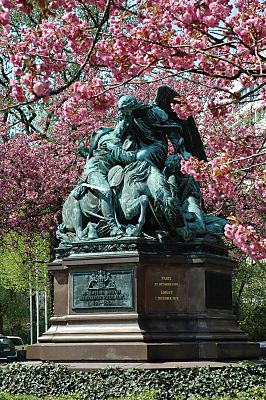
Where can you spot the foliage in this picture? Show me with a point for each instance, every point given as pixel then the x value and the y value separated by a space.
pixel 13 267
pixel 64 62
pixel 17 271
pixel 146 395
pixel 14 312
pixel 8 396
pixel 253 393
pixel 55 380
pixel 16 263
pixel 252 320
pixel 250 298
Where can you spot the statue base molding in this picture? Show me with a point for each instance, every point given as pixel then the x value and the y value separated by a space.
pixel 143 352
pixel 153 302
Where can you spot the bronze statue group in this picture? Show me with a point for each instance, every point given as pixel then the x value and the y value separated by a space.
pixel 131 187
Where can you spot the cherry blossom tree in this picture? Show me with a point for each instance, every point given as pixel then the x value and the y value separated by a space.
pixel 233 180
pixel 64 62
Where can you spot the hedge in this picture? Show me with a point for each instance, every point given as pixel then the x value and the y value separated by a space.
pixel 10 396
pixel 103 384
pixel 253 393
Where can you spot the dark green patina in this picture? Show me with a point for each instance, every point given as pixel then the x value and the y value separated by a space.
pixel 103 289
pixel 131 188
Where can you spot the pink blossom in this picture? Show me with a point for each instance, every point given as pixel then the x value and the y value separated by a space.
pixel 17 91
pixel 4 16
pixel 246 239
pixel 210 20
pixel 41 88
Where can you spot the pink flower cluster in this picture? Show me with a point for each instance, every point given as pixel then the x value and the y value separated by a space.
pixel 33 182
pixel 247 240
pixel 17 91
pixel 187 107
pixel 217 173
pixel 85 97
pixel 260 185
pixel 193 167
pixel 42 89
pixel 7 5
pixel 74 112
pixel 221 175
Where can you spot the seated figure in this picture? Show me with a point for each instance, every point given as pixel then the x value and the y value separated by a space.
pixel 188 191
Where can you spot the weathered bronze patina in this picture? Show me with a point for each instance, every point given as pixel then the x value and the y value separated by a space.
pixel 103 289
pixel 130 187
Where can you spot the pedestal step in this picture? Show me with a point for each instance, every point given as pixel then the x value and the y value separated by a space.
pixel 135 351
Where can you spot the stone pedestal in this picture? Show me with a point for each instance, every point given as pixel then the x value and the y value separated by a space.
pixel 140 300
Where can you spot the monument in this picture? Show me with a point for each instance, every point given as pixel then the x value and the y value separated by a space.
pixel 141 272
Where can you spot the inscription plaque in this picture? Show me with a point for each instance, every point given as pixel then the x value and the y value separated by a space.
pixel 218 289
pixel 166 290
pixel 103 289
